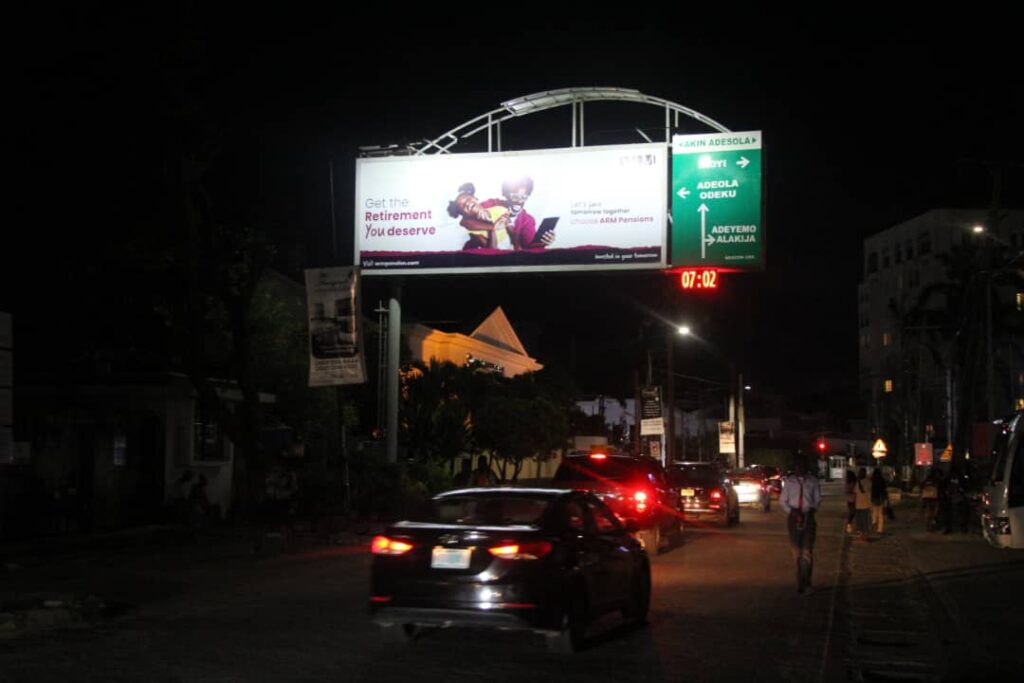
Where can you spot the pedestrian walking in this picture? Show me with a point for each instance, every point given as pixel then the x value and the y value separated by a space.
pixel 960 504
pixel 879 500
pixel 851 499
pixel 930 498
pixel 862 503
pixel 800 498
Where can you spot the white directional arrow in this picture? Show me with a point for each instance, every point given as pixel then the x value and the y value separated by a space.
pixel 703 209
pixel 710 239
pixel 683 192
pixel 742 162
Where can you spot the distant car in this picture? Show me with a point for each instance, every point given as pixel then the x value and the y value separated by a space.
pixel 546 560
pixel 772 477
pixel 705 492
pixel 636 488
pixel 752 488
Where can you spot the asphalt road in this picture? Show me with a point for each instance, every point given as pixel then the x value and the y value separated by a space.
pixel 909 605
pixel 724 608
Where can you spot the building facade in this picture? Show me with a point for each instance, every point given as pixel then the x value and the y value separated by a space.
pixel 938 304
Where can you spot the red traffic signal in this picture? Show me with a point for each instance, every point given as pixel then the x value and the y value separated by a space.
pixel 822 446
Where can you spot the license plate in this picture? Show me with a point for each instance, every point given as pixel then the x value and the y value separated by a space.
pixel 688 493
pixel 450 558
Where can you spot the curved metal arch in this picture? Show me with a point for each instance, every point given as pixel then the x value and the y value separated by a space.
pixel 549 99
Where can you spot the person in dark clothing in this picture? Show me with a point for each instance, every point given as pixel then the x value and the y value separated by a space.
pixel 851 500
pixel 944 516
pixel 879 499
pixel 465 475
pixel 959 505
pixel 484 475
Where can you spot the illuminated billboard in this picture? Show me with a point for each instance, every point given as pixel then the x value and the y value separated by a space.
pixel 586 208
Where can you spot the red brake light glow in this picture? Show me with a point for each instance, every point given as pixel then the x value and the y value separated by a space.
pixel 640 498
pixel 598 456
pixel 382 545
pixel 533 550
pixel 716 495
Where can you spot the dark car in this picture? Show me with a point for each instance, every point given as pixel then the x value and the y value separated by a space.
pixel 636 488
pixel 751 488
pixel 705 492
pixel 772 477
pixel 546 560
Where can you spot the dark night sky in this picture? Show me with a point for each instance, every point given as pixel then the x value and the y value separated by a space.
pixel 861 130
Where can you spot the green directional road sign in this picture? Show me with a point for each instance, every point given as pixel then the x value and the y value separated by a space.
pixel 716 201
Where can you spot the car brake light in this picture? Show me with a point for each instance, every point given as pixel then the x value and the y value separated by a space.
pixel 716 494
pixel 533 550
pixel 640 498
pixel 598 456
pixel 382 545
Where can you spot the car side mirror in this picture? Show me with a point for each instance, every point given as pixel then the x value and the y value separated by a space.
pixel 631 526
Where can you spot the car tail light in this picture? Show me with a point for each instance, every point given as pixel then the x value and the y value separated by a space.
pixel 716 494
pixel 640 500
pixel 382 545
pixel 598 456
pixel 534 550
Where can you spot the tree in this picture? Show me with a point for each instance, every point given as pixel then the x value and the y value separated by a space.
pixel 524 417
pixel 436 413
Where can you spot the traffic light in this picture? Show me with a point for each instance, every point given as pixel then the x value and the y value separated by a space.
pixel 822 446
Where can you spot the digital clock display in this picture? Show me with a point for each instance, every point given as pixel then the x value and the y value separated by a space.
pixel 698 279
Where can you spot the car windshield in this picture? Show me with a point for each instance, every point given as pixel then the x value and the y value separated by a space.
pixel 590 469
pixel 487 510
pixel 693 476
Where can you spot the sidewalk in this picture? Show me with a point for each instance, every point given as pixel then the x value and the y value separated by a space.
pixel 925 605
pixel 81 579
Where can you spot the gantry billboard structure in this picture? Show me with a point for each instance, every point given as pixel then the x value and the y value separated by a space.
pixel 423 208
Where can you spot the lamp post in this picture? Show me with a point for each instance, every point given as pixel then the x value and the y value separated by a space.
pixel 670 399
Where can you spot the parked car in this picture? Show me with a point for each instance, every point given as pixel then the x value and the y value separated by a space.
pixel 751 488
pixel 546 560
pixel 705 492
pixel 636 488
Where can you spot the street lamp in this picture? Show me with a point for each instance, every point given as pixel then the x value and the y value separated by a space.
pixel 670 440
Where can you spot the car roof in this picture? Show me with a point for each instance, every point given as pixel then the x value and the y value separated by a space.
pixel 534 492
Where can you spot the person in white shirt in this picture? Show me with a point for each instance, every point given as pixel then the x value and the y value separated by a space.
pixel 800 498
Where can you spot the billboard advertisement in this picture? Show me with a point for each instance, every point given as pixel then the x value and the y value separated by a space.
pixel 587 208
pixel 335 334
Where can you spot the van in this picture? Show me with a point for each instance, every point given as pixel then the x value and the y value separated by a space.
pixel 1002 516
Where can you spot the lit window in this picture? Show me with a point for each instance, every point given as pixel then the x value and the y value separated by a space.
pixel 1020 404
pixel 888 386
pixel 1020 301
pixel 886 338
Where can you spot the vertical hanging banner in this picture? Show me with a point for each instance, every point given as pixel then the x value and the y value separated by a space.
pixel 727 438
pixel 651 420
pixel 335 327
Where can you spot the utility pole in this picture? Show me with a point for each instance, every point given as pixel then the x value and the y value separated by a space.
pixel 740 424
pixel 670 400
